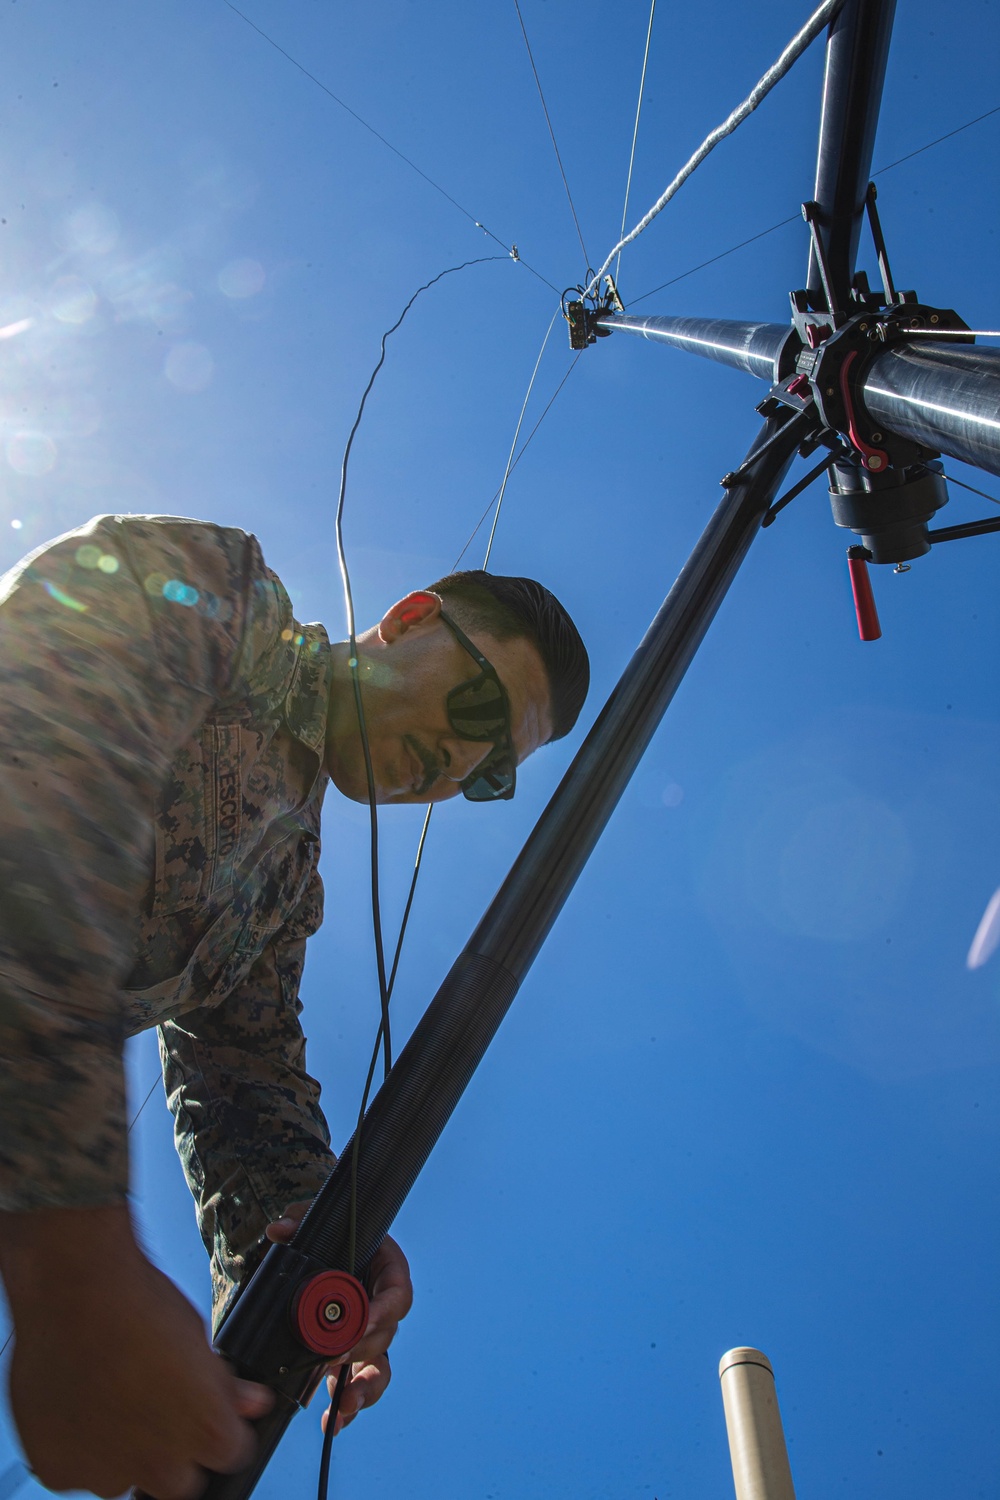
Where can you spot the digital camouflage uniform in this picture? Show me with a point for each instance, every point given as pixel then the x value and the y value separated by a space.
pixel 162 725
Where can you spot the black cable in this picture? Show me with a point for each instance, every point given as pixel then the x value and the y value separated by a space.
pixel 331 1422
pixel 385 985
pixel 353 658
pixel 353 1210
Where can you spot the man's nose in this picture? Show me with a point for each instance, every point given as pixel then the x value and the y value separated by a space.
pixel 459 758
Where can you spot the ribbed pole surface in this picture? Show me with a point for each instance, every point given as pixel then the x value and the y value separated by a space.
pixel 410 1110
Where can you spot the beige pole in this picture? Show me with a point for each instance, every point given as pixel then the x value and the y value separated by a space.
pixel 753 1422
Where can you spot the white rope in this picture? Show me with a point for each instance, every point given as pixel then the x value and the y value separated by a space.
pixel 774 74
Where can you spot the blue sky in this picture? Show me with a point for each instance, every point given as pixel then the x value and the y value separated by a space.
pixel 748 1092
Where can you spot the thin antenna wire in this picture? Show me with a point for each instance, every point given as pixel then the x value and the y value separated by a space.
pixel 562 169
pixel 797 218
pixel 946 137
pixel 793 219
pixel 971 487
pixel 145 1101
pixel 380 137
pixel 757 94
pixel 635 131
pixel 12 1479
pixel 517 433
pixel 517 460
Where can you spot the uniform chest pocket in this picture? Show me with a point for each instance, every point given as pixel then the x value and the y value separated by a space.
pixel 198 823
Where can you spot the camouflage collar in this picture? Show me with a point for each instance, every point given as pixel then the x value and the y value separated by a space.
pixel 305 706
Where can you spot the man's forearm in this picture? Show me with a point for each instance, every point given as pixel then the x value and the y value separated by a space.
pixel 44 1256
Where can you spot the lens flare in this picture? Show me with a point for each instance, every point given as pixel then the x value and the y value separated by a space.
pixel 189 367
pixel 987 938
pixel 73 300
pixel 241 279
pixel 31 453
pixel 63 598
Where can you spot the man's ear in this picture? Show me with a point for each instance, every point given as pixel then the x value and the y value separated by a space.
pixel 419 608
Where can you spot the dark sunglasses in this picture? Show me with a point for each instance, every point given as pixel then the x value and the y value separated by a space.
pixel 479 710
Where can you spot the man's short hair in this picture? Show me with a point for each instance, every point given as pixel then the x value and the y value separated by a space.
pixel 506 608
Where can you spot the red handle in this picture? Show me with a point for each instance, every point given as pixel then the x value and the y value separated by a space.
pixel 869 628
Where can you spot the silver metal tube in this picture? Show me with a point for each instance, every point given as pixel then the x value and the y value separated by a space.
pixel 945 397
pixel 766 350
pixel 753 1422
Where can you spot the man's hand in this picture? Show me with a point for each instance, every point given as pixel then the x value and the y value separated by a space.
pixel 113 1383
pixel 391 1299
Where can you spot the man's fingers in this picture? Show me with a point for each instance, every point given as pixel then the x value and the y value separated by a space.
pixel 176 1482
pixel 368 1383
pixel 252 1400
pixel 373 1346
pixel 280 1231
pixel 391 1287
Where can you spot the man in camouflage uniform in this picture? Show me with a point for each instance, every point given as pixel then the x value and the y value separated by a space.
pixel 167 731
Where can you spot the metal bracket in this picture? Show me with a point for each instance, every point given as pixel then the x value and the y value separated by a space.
pixel 582 319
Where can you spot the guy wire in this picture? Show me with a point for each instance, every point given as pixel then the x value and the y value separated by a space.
pixel 791 54
pixel 545 110
pixel 521 451
pixel 971 487
pixel 385 142
pixel 635 131
pixel 517 430
pixel 797 218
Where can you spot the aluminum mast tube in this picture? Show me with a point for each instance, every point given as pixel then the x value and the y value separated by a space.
pixel 944 396
pixel 766 350
pixel 414 1104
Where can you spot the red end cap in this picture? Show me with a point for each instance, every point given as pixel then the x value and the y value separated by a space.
pixel 330 1313
pixel 869 628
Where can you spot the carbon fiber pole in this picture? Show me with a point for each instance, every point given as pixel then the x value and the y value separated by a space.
pixel 414 1104
pixel 856 56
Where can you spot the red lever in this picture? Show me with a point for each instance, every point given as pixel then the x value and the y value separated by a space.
pixel 869 628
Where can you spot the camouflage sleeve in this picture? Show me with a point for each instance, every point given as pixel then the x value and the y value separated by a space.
pixel 247 1121
pixel 115 642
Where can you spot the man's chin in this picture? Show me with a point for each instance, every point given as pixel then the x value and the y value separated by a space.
pixel 354 786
